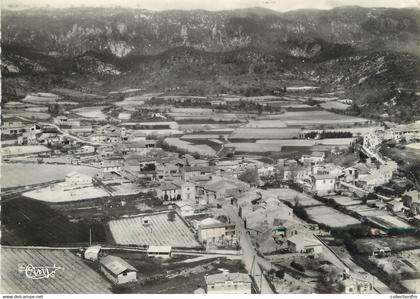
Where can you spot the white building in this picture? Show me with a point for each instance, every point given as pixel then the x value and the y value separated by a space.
pixel 117 270
pixel 74 179
pixel 228 283
pixel 159 251
pixel 92 253
pixel 86 149
pixel 304 244
pixel 313 159
pixel 323 184
pixel 213 229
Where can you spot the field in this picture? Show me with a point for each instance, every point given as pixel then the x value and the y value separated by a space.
pixel 75 277
pixel 41 98
pixel 58 196
pixel 330 217
pixel 335 105
pixel 26 114
pixel 319 117
pixel 398 243
pixel 414 146
pixel 354 130
pixel 265 124
pixel 179 275
pixel 249 147
pixel 264 133
pixel 28 222
pixel 77 95
pixel 16 174
pixel 91 112
pixel 161 231
pixel 24 150
pixel 202 149
pixel 289 195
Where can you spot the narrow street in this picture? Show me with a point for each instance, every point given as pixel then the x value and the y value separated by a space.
pixel 250 258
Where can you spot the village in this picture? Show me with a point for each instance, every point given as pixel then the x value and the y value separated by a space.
pixel 218 194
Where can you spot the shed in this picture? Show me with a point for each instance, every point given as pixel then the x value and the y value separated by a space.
pixel 159 251
pixel 118 270
pixel 92 252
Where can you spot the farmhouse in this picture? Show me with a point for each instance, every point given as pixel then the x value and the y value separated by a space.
pixel 411 200
pixel 190 172
pixel 213 229
pixel 304 244
pixel 395 206
pixel 74 179
pixel 117 270
pixel 323 184
pixel 85 149
pixel 177 191
pixel 12 128
pixel 228 283
pixel 313 159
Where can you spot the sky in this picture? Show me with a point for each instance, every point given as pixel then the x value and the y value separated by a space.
pixel 279 5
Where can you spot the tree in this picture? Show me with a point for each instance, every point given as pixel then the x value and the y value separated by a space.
pixel 171 216
pixel 250 176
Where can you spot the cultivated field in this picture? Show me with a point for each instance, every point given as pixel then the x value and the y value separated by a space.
pixel 266 124
pixel 290 195
pixel 73 277
pixel 161 231
pixel 265 133
pixel 415 146
pixel 250 147
pixel 56 195
pixel 91 112
pixel 395 243
pixel 330 217
pixel 202 149
pixel 335 105
pixel 16 174
pixel 23 150
pixel 318 117
pixel 26 114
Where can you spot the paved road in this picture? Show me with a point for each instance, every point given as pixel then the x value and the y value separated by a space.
pixel 254 264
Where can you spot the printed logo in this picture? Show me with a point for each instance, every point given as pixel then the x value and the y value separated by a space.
pixel 38 272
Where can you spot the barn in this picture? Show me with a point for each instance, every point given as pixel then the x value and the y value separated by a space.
pixel 117 270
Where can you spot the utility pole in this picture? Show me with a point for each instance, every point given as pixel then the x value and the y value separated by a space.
pixel 90 236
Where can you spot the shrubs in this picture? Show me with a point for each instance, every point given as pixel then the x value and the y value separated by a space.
pixel 297 266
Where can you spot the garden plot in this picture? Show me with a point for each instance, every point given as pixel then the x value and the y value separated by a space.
pixel 16 174
pixel 330 216
pixel 290 195
pixel 398 243
pixel 364 210
pixel 345 200
pixel 159 231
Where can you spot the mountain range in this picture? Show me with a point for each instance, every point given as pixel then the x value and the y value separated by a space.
pixel 367 52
